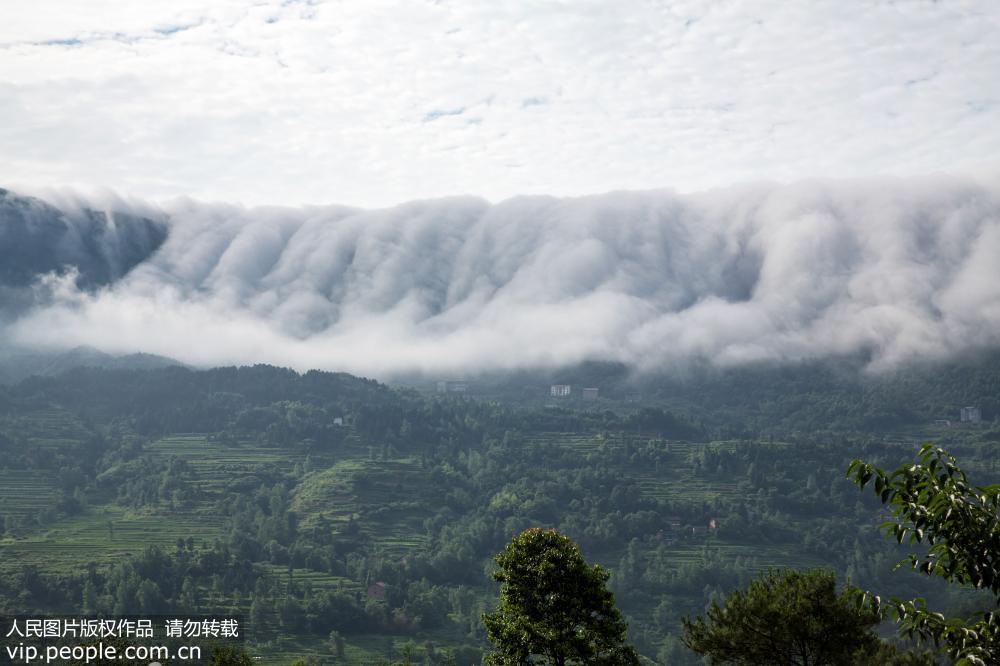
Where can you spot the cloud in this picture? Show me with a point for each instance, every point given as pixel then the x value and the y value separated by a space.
pixel 274 102
pixel 45 248
pixel 899 269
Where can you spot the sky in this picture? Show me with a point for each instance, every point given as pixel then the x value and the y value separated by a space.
pixel 378 102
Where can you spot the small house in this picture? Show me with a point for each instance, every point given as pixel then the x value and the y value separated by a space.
pixel 560 390
pixel 971 415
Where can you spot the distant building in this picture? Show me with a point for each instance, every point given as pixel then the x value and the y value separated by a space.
pixel 338 420
pixel 590 393
pixel 971 415
pixel 560 390
pixel 942 422
pixel 452 387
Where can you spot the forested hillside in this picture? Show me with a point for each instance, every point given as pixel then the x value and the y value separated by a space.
pixel 347 519
pixel 841 394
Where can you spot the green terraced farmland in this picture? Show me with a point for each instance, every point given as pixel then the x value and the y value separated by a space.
pixel 102 535
pixel 105 532
pixel 386 497
pixel 47 428
pixel 25 493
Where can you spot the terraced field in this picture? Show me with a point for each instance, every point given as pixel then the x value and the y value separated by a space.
pixel 25 494
pixel 384 496
pixel 47 429
pixel 216 464
pixel 329 494
pixel 388 498
pixel 106 532
pixel 673 481
pixel 316 579
pixel 102 535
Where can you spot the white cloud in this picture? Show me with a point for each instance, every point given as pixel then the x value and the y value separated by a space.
pixel 899 269
pixel 377 102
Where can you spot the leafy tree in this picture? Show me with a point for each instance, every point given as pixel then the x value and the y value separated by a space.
pixel 228 655
pixel 785 618
pixel 554 606
pixel 337 643
pixel 932 502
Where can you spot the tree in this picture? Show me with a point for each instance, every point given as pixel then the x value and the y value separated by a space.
pixel 89 595
pixel 932 502
pixel 228 655
pixel 337 644
pixel 784 618
pixel 554 606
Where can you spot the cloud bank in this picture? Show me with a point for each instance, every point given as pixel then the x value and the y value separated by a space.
pixel 898 269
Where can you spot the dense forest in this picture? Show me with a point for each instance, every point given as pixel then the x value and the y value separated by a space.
pixel 352 522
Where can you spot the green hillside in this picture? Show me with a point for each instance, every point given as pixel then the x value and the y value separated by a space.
pixel 116 498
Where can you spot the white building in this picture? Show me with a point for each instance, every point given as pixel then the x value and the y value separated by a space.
pixel 560 390
pixel 971 415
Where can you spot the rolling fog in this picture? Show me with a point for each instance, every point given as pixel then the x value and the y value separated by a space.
pixel 899 269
